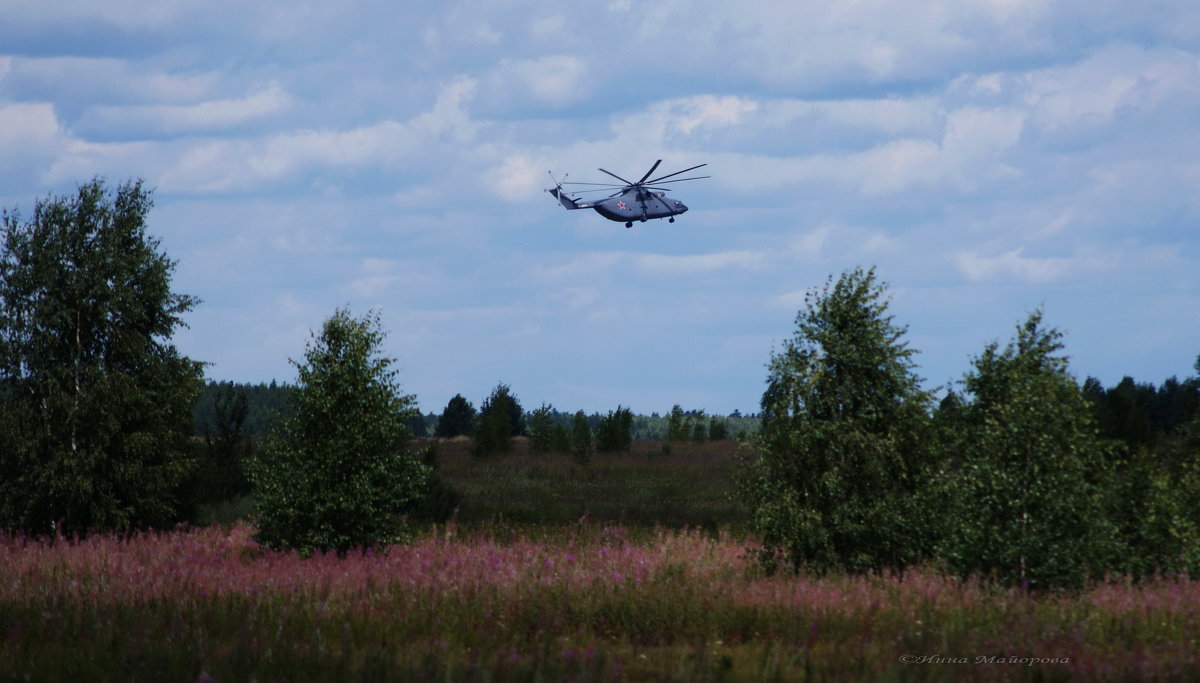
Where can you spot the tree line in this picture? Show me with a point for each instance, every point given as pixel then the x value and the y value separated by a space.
pixel 268 402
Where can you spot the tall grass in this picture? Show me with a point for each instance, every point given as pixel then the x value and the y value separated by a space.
pixel 586 602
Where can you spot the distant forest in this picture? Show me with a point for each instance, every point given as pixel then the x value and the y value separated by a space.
pixel 267 403
pixel 1141 414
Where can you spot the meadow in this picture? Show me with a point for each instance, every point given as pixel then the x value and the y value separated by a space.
pixel 534 589
pixel 653 484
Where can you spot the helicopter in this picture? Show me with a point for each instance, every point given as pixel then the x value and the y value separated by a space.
pixel 638 201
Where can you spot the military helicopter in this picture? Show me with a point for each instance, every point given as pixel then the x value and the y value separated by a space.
pixel 631 202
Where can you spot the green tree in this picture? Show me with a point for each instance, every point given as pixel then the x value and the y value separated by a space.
pixel 546 432
pixel 698 422
pixel 844 444
pixel 340 472
pixel 717 430
pixel 458 419
pixel 95 402
pixel 221 474
pixel 1027 487
pixel 677 429
pixel 614 431
pixel 500 419
pixel 581 438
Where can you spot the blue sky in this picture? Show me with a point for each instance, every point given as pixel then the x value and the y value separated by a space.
pixel 987 156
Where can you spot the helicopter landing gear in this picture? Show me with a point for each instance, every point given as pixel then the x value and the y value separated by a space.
pixel 629 224
pixel 672 219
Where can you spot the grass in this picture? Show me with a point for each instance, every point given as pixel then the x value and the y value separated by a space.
pixel 633 567
pixel 691 486
pixel 587 603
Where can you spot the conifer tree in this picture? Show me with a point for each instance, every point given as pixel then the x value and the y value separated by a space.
pixel 457 419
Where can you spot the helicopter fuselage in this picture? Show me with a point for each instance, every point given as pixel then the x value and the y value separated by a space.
pixel 639 205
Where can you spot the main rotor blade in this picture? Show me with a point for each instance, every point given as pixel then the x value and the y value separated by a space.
pixel 602 189
pixel 675 173
pixel 650 171
pixel 617 177
pixel 600 184
pixel 677 180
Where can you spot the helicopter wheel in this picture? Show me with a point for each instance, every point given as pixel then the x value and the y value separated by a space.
pixel 672 220
pixel 629 224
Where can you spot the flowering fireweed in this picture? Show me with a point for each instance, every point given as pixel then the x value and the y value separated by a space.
pixel 586 603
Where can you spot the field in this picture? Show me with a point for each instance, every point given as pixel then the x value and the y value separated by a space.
pixel 689 486
pixel 528 590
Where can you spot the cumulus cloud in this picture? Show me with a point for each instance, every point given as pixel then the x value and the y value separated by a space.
pixel 1014 265
pixel 30 140
pixel 236 164
pixel 206 116
pixel 687 264
pixel 27 126
pixel 553 80
pixel 518 177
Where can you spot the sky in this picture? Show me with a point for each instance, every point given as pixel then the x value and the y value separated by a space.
pixel 987 157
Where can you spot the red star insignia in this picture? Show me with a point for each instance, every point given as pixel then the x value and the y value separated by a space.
pixel 620 205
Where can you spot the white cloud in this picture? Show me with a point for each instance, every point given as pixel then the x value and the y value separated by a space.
pixel 554 80
pixel 203 116
pixel 672 120
pixel 670 264
pixel 30 139
pixel 222 165
pixel 27 126
pixel 1091 93
pixel 810 244
pixel 448 118
pixel 518 177
pixel 1014 265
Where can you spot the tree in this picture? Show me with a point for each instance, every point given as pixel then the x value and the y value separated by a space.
pixel 340 472
pixel 677 429
pixel 546 433
pixel 699 426
pixel 844 443
pixel 613 433
pixel 500 419
pixel 222 472
pixel 95 402
pixel 717 431
pixel 1027 489
pixel 581 438
pixel 458 419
